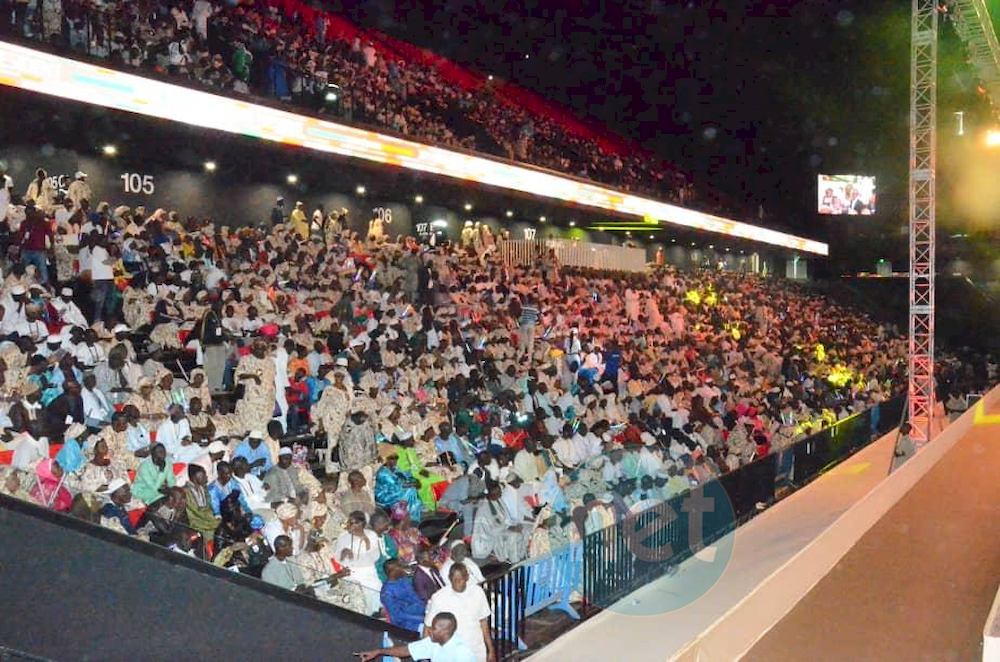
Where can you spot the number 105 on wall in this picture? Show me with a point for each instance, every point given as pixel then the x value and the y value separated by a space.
pixel 136 183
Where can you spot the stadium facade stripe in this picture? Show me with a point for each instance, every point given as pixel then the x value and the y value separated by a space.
pixel 37 71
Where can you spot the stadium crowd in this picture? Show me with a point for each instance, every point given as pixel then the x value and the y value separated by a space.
pixel 264 47
pixel 164 378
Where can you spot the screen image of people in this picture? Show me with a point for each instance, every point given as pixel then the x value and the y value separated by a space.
pixel 846 194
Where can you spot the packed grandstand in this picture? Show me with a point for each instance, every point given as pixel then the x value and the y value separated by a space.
pixel 332 408
pixel 290 51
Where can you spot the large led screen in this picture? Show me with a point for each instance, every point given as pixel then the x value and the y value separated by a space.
pixel 848 195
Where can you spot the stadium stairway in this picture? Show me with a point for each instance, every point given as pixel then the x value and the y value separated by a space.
pixel 83 592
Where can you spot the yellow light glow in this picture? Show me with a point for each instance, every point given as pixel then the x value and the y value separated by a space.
pixel 839 375
pixel 993 138
pixel 45 73
pixel 820 352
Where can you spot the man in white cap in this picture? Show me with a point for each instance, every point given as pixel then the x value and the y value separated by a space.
pixel 68 311
pixel 32 326
pixel 52 345
pixel 216 452
pixel 79 189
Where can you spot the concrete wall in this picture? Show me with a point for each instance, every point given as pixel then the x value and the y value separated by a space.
pixel 75 591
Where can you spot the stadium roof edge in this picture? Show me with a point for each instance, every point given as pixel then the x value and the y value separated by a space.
pixel 47 73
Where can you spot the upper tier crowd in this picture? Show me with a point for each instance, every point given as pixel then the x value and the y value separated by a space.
pixel 264 47
pixel 164 377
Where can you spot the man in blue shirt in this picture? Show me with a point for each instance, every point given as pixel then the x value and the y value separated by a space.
pixel 222 487
pixel 440 646
pixel 256 454
pixel 316 385
pixel 120 494
pixel 406 608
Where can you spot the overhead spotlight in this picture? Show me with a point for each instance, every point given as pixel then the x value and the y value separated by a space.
pixel 692 243
pixel 711 246
pixel 419 199
pixel 572 224
pixel 727 249
pixel 210 166
pixel 109 150
pixel 490 77
pixel 510 214
pixel 527 57
pixel 993 138
pixel 628 233
pixel 542 219
pixel 468 206
pixel 673 241
pixel 360 190
pixel 292 179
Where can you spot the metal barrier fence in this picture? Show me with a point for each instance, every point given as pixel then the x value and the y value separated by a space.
pixel 619 559
pixel 625 556
pixel 589 255
pixel 506 596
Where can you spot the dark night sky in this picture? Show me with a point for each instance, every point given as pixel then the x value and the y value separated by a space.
pixel 753 98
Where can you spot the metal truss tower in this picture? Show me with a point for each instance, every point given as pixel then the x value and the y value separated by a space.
pixel 974 26
pixel 923 163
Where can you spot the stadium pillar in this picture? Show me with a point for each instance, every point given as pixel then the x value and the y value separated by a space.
pixel 923 160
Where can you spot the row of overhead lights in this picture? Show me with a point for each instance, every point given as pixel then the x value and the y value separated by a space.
pixel 293 179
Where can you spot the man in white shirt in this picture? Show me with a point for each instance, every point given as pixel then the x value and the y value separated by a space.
pixel 67 309
pixel 252 323
pixel 32 327
pixel 14 305
pixel 230 322
pixel 612 472
pixel 175 435
pixel 97 411
pixel 440 644
pixel 526 462
pixel 513 495
pixel 102 277
pixel 467 602
pixel 566 451
pixel 63 214
pixel 252 487
pixel 88 353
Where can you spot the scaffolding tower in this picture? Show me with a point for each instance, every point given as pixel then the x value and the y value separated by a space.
pixel 923 162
